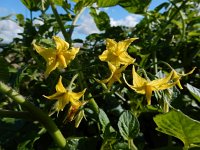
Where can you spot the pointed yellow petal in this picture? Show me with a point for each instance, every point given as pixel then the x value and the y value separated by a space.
pixel 50 66
pixel 138 81
pixel 59 86
pixel 62 102
pixel 104 55
pixel 140 90
pixel 123 45
pixel 46 53
pixel 158 82
pixel 62 61
pixel 148 93
pixel 70 55
pixel 190 72
pixel 75 96
pixel 126 59
pixel 60 44
pixel 56 95
pixel 111 45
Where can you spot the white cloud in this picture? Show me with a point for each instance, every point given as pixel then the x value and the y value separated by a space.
pixel 129 21
pixel 37 22
pixel 9 30
pixel 87 25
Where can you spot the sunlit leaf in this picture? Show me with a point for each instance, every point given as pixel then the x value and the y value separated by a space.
pixel 107 3
pixel 128 125
pixel 135 6
pixel 35 5
pixel 177 124
pixel 194 91
pixel 103 119
pixel 101 19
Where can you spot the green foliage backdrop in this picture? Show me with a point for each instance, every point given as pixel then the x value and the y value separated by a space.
pixel 105 118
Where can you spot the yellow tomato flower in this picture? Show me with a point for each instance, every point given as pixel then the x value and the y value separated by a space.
pixel 143 86
pixel 64 96
pixel 74 108
pixel 59 57
pixel 116 53
pixel 115 75
pixel 177 76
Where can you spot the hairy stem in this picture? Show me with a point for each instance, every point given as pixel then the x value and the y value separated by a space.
pixel 59 20
pixel 35 113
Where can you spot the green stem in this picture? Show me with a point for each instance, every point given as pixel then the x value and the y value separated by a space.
pixel 93 104
pixel 166 107
pixel 35 113
pixel 58 19
pixel 74 21
pixel 155 61
pixel 131 145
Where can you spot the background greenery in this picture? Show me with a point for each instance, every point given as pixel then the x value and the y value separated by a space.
pixel 123 121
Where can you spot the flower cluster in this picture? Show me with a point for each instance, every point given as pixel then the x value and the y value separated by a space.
pixel 118 59
pixel 60 57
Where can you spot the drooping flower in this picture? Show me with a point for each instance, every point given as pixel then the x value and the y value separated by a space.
pixel 116 53
pixel 65 96
pixel 73 111
pixel 177 76
pixel 143 86
pixel 116 73
pixel 59 57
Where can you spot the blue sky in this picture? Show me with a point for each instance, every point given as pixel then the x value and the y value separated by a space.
pixel 86 23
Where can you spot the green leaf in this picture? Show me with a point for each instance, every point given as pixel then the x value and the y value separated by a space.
pixel 128 125
pixel 20 18
pixel 194 91
pixel 59 2
pixel 103 119
pixel 135 6
pixel 35 5
pixel 101 20
pixel 177 124
pixel 107 3
pixel 81 143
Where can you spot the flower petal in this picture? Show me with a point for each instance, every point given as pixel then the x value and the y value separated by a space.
pixel 159 82
pixel 123 45
pixel 50 66
pixel 56 95
pixel 46 53
pixel 73 97
pixel 62 61
pixel 104 55
pixel 60 44
pixel 138 81
pixel 126 59
pixel 140 90
pixel 59 86
pixel 70 55
pixel 111 45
